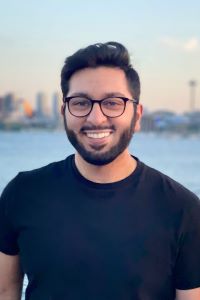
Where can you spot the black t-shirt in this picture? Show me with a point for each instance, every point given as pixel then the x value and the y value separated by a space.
pixel 138 238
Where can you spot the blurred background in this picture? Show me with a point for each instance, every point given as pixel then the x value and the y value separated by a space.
pixel 163 38
pixel 164 42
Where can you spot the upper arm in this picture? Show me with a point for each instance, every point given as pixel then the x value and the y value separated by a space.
pixel 187 264
pixel 193 294
pixel 11 275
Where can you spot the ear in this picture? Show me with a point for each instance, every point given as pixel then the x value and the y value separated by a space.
pixel 62 109
pixel 138 117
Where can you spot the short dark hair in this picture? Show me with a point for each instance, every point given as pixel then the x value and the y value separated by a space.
pixel 111 54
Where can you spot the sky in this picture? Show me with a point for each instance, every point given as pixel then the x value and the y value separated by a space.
pixel 163 38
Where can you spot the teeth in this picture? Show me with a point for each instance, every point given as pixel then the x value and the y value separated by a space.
pixel 98 135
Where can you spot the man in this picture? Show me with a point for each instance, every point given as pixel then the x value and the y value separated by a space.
pixel 99 224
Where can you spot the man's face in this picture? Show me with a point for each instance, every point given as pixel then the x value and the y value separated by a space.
pixel 97 138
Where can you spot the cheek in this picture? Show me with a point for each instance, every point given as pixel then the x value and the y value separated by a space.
pixel 128 117
pixel 73 123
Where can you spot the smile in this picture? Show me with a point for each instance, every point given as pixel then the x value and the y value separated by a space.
pixel 99 135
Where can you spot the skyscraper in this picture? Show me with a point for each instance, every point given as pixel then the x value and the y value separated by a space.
pixel 56 108
pixel 8 105
pixel 42 110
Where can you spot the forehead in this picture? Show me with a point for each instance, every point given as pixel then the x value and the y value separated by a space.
pixel 98 81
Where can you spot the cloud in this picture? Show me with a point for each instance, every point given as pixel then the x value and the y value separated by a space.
pixel 190 45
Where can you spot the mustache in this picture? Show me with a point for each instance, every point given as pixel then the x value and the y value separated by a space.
pixel 87 127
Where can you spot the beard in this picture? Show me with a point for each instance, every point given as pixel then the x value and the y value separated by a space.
pixel 97 157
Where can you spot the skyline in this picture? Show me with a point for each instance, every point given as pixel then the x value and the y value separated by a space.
pixel 162 38
pixel 17 114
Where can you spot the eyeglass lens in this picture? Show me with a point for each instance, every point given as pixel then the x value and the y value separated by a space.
pixel 80 106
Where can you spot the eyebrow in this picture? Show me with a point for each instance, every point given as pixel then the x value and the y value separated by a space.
pixel 106 95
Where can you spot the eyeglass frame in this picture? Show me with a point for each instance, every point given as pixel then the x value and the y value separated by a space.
pixel 93 101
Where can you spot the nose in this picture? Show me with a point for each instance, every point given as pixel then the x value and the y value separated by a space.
pixel 96 116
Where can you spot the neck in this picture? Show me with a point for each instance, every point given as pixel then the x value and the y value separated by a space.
pixel 117 170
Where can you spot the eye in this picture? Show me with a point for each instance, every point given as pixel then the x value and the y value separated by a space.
pixel 79 102
pixel 113 103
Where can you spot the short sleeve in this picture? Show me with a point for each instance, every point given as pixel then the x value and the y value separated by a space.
pixel 187 268
pixel 8 236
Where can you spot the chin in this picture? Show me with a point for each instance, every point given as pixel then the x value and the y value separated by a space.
pixel 98 160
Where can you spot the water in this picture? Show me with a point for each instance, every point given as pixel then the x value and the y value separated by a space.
pixel 176 156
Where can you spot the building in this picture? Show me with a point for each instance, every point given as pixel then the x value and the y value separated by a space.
pixel 8 105
pixel 42 109
pixel 56 109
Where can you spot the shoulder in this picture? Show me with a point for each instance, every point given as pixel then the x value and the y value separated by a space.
pixel 174 203
pixel 169 189
pixel 27 181
pixel 52 169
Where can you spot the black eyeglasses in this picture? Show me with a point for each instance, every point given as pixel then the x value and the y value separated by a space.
pixel 112 107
